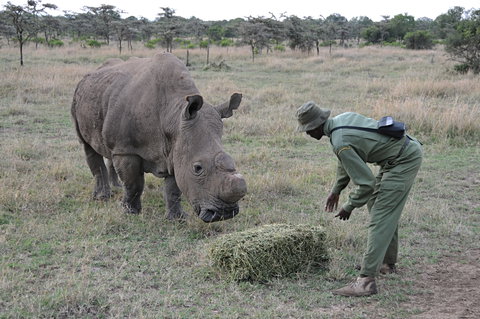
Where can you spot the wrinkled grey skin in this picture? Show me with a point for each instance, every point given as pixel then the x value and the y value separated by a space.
pixel 146 115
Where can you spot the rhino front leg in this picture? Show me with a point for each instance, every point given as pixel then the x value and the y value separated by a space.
pixel 172 199
pixel 130 170
pixel 97 167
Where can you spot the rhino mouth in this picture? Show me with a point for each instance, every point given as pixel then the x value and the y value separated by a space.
pixel 210 215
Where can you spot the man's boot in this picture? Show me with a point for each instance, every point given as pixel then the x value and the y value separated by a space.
pixel 363 286
pixel 387 269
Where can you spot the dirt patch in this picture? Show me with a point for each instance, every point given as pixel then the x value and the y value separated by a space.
pixel 450 288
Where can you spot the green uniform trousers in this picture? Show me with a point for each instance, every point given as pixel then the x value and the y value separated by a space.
pixel 393 184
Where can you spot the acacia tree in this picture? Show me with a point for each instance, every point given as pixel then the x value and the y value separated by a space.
pixel 168 26
pixel 145 28
pixel 6 30
pixel 298 32
pixel 25 21
pixel 255 33
pixel 334 27
pixel 39 16
pixel 276 30
pixel 104 16
pixel 121 31
pixel 214 33
pixel 339 28
pixel 50 26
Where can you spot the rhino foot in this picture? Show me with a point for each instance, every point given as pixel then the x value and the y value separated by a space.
pixel 131 209
pixel 178 215
pixel 102 195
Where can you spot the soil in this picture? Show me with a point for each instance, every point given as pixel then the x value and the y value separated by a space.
pixel 450 288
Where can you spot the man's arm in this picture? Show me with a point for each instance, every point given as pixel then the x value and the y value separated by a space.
pixel 360 174
pixel 342 179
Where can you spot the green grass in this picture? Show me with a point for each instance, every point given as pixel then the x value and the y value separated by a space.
pixel 64 256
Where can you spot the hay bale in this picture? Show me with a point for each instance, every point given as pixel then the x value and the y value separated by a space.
pixel 261 253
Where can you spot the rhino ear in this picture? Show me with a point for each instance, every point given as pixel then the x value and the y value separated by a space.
pixel 195 103
pixel 226 109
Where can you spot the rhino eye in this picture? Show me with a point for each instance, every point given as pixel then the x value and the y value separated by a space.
pixel 197 168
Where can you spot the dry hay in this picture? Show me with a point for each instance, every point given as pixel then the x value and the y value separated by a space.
pixel 269 251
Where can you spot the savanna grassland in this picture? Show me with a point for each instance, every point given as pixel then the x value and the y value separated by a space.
pixel 63 255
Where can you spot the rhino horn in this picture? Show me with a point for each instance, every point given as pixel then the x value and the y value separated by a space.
pixel 195 103
pixel 226 109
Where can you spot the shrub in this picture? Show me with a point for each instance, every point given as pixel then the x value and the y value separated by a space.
pixel 226 43
pixel 392 44
pixel 461 68
pixel 463 44
pixel 55 43
pixel 418 40
pixel 372 34
pixel 183 42
pixel 151 44
pixel 93 43
pixel 203 44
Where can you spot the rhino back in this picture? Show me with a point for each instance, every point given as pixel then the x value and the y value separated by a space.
pixel 133 107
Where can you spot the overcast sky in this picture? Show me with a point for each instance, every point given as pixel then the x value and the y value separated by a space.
pixel 230 9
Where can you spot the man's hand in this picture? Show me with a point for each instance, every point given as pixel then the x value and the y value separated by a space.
pixel 343 215
pixel 332 202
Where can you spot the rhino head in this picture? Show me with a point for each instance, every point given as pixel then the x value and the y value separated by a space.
pixel 204 172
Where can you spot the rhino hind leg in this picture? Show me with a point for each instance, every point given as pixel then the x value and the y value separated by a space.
pixel 99 171
pixel 112 174
pixel 172 199
pixel 130 171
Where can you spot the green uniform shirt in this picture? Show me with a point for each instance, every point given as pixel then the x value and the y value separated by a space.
pixel 354 149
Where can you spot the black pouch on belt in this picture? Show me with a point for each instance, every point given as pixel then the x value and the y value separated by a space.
pixel 388 126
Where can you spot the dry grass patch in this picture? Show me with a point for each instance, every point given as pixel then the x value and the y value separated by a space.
pixel 64 255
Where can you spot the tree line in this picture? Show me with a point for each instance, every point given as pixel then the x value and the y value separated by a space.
pixel 458 29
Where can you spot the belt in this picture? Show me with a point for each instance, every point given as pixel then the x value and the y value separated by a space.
pixel 404 146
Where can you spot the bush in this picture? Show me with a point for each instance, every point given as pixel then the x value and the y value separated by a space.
pixel 151 44
pixel 418 40
pixel 395 44
pixel 226 43
pixel 203 44
pixel 183 43
pixel 93 43
pixel 372 34
pixel 55 43
pixel 461 68
pixel 463 44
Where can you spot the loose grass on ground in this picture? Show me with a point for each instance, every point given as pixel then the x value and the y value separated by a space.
pixel 64 256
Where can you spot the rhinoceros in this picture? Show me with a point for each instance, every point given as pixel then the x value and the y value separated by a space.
pixel 145 115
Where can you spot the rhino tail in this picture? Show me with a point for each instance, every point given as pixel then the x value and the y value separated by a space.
pixel 74 117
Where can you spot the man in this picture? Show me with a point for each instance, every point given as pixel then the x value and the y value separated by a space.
pixel 385 195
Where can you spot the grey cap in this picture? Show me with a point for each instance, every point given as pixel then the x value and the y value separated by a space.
pixel 310 116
